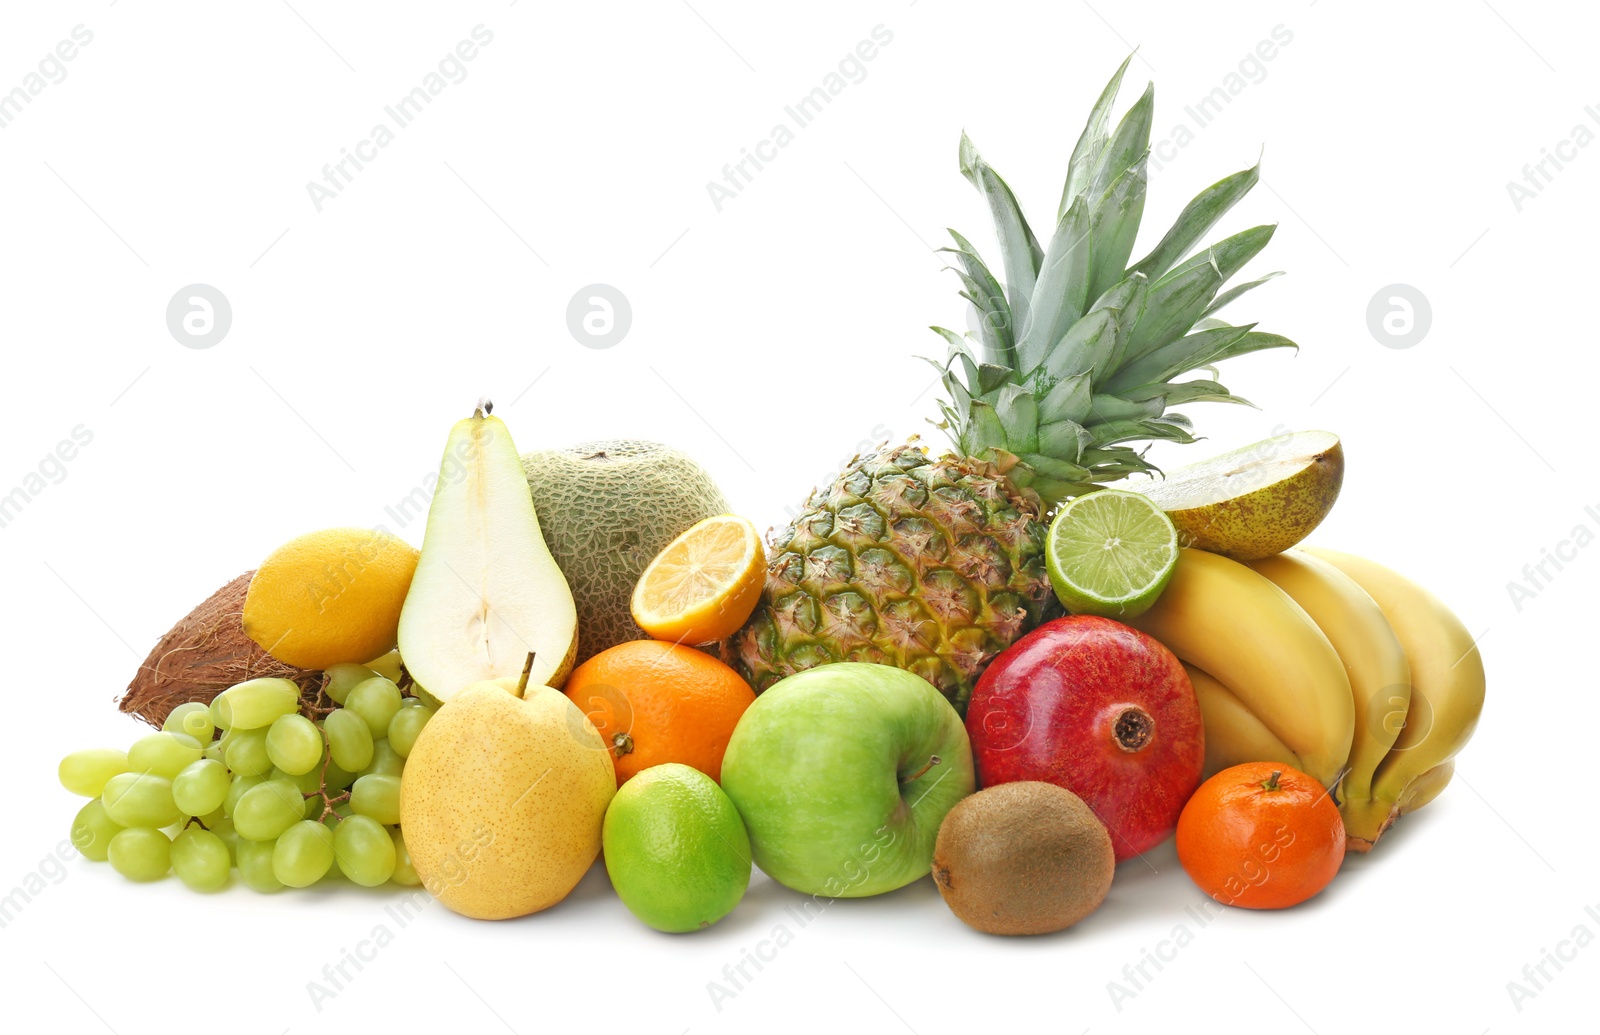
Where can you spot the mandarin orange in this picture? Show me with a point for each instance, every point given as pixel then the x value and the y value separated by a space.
pixel 1261 836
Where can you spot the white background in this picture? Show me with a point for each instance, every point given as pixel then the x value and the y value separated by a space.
pixel 771 340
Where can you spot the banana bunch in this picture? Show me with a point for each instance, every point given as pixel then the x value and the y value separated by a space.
pixel 1328 663
pixel 1447 686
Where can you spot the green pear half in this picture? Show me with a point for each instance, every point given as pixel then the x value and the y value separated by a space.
pixel 1256 501
pixel 487 591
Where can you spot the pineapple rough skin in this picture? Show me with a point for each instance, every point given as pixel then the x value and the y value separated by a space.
pixel 934 566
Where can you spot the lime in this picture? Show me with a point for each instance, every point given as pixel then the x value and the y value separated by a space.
pixel 1110 553
pixel 676 849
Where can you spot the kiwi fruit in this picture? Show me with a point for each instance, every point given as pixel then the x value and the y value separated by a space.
pixel 1022 858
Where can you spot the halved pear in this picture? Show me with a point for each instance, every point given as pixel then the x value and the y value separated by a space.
pixel 486 592
pixel 1256 501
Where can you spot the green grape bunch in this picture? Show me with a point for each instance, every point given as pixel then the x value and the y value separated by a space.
pixel 287 792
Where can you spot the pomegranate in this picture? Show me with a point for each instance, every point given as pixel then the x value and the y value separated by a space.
pixel 1103 710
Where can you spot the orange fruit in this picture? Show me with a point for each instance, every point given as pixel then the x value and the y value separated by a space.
pixel 1261 836
pixel 704 585
pixel 656 702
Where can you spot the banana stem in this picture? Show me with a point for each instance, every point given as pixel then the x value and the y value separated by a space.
pixel 1365 821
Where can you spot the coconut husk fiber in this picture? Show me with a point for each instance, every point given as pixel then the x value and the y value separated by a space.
pixel 203 655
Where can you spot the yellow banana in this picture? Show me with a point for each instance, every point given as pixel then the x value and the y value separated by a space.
pixel 1223 618
pixel 1447 686
pixel 1426 787
pixel 1418 793
pixel 1233 734
pixel 1380 676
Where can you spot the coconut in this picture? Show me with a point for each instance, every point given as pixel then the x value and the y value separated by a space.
pixel 203 655
pixel 607 509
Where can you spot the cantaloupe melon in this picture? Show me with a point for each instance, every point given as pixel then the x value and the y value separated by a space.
pixel 607 509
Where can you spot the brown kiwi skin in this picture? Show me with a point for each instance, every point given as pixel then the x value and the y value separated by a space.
pixel 1023 858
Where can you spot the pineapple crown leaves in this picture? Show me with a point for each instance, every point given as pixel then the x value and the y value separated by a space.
pixel 1077 353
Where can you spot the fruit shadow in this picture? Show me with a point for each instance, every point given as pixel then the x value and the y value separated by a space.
pixel 1395 840
pixel 1356 869
pixel 767 902
pixel 594 887
pixel 1145 887
pixel 1154 886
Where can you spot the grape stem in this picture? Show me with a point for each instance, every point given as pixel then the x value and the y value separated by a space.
pixel 324 706
pixel 328 803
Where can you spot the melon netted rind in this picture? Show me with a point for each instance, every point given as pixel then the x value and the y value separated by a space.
pixel 607 509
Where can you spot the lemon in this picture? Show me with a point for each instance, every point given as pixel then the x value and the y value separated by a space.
pixel 675 848
pixel 329 597
pixel 704 585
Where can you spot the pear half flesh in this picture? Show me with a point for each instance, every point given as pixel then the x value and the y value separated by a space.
pixel 487 591
pixel 1257 501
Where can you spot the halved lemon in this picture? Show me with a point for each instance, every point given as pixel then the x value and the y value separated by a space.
pixel 704 585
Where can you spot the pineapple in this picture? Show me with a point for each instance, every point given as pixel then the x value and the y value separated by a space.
pixel 937 564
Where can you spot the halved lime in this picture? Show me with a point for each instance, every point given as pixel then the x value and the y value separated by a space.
pixel 1110 553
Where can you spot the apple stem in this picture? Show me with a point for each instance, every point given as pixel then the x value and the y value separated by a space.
pixel 1271 782
pixel 933 760
pixel 527 671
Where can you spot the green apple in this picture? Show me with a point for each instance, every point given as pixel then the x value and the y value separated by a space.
pixel 843 773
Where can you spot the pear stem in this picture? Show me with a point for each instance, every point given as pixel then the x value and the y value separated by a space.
pixel 527 671
pixel 933 760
